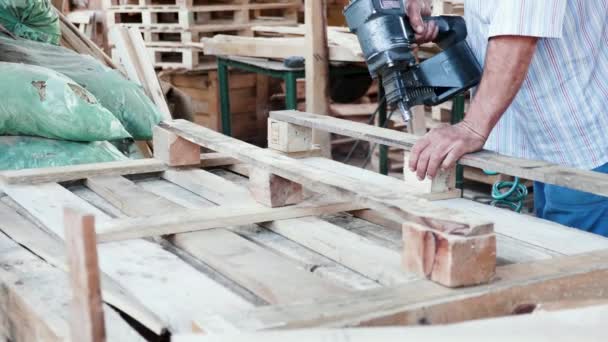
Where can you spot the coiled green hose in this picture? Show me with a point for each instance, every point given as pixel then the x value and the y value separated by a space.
pixel 509 194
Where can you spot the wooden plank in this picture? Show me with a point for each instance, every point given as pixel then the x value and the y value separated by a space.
pixel 34 297
pixel 336 243
pixel 76 172
pixel 271 48
pixel 317 67
pixel 135 59
pixel 184 221
pixel 52 250
pixel 579 277
pixel 589 181
pixel 169 287
pixel 86 305
pixel 581 324
pixel 274 279
pixel 405 205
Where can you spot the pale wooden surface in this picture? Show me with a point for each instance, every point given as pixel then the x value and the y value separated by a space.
pixel 86 305
pixel 317 67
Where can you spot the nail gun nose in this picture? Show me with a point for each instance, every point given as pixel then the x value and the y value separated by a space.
pixel 405 111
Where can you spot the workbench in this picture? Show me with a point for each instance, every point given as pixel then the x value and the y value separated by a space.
pixel 184 246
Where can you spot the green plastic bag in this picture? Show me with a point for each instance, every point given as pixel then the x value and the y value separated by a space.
pixel 31 19
pixel 125 99
pixel 30 152
pixel 41 102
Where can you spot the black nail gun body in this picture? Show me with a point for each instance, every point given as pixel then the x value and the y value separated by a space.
pixel 386 38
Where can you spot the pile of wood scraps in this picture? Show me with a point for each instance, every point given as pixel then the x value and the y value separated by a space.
pixel 169 27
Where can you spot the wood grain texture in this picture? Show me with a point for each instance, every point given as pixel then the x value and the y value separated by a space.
pixel 76 172
pixel 405 205
pixel 579 277
pixel 317 67
pixel 52 250
pixel 334 242
pixel 31 312
pixel 589 181
pixel 86 305
pixel 169 287
pixel 173 150
pixel 262 272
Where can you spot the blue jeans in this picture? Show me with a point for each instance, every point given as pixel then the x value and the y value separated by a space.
pixel 572 208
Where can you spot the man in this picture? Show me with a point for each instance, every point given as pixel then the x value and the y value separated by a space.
pixel 543 95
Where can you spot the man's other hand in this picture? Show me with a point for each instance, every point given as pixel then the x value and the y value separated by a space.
pixel 415 10
pixel 441 148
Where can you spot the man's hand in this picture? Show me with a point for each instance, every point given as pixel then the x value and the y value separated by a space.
pixel 442 147
pixel 415 10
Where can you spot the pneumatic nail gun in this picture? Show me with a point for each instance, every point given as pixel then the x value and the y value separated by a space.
pixel 386 38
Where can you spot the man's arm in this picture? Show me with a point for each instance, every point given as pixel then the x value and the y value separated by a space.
pixel 507 61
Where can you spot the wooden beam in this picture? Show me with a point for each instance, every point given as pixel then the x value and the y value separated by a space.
pixel 588 181
pixel 173 150
pixel 578 277
pixel 86 306
pixel 317 67
pixel 405 205
pixel 203 219
pixel 76 172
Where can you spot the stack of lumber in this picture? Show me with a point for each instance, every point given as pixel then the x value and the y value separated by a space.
pixel 169 26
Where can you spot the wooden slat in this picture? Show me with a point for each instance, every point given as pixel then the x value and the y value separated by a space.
pixel 168 286
pixel 76 172
pixel 35 296
pixel 52 250
pixel 85 280
pixel 589 181
pixel 267 275
pixel 405 205
pixel 577 277
pixel 336 243
pixel 582 324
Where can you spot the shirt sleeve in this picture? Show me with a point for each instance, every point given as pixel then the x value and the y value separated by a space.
pixel 534 18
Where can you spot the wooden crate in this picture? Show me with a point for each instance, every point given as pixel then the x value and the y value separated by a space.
pixel 202 89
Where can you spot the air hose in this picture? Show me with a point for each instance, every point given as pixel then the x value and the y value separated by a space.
pixel 508 194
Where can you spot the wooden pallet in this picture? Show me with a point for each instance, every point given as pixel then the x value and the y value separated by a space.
pixel 184 245
pixel 200 18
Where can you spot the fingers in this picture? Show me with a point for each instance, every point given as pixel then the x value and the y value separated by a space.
pixel 414 14
pixel 450 159
pixel 436 160
pixel 423 163
pixel 415 152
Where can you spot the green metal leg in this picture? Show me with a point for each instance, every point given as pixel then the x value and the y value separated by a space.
pixel 381 122
pixel 222 76
pixel 457 116
pixel 291 91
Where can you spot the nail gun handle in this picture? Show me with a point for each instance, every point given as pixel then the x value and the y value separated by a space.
pixel 452 30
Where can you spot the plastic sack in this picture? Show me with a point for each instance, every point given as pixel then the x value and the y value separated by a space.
pixel 125 99
pixel 31 152
pixel 41 102
pixel 31 19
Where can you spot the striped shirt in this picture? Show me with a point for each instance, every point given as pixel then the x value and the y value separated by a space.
pixel 560 115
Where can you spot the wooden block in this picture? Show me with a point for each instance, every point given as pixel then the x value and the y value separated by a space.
pixel 286 137
pixel 452 259
pixel 444 181
pixel 174 150
pixel 272 190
